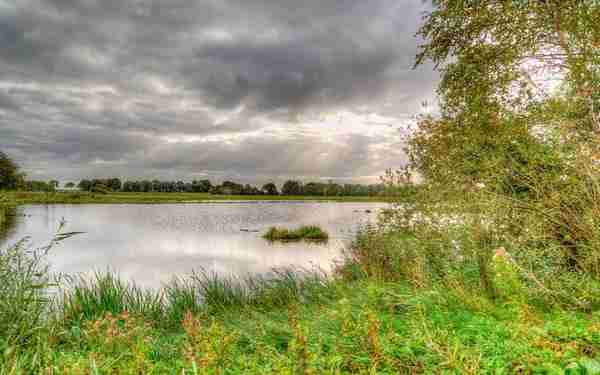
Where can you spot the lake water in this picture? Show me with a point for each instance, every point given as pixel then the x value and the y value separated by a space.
pixel 149 244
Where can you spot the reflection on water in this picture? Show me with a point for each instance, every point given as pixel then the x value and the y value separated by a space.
pixel 149 244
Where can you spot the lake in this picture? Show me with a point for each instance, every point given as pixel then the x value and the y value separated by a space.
pixel 150 244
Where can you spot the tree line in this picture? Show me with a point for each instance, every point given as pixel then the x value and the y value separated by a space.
pixel 290 187
pixel 12 179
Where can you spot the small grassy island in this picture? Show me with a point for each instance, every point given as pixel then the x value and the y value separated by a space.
pixel 310 233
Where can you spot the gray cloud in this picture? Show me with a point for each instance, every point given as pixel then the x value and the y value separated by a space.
pixel 178 87
pixel 8 103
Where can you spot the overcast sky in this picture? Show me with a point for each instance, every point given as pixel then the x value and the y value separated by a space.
pixel 252 90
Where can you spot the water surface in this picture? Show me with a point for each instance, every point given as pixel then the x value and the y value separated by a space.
pixel 149 244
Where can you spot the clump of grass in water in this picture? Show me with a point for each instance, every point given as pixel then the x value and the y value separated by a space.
pixel 311 233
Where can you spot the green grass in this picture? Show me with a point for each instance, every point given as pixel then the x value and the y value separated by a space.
pixel 310 233
pixel 86 299
pixel 360 327
pixel 386 311
pixel 155 198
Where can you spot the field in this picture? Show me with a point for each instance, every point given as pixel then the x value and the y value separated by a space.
pixel 151 198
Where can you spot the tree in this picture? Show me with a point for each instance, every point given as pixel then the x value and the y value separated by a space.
pixel 314 189
pixel 231 188
pixel 9 173
pixel 490 55
pixel 202 186
pixel 114 184
pixel 270 189
pixel 292 187
pixel 69 185
pixel 503 128
pixel 85 185
pixel 54 184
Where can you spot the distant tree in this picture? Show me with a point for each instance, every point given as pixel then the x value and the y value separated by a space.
pixel 85 185
pixel 314 188
pixel 230 187
pixel 38 186
pixel 202 186
pixel 54 184
pixel 69 185
pixel 251 190
pixel 9 173
pixel 114 184
pixel 292 187
pixel 146 186
pixel 270 189
pixel 100 188
pixel 333 189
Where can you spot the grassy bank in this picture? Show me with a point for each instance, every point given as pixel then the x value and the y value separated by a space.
pixel 381 313
pixel 310 233
pixel 156 198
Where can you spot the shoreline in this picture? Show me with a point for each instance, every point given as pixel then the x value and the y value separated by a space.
pixel 21 198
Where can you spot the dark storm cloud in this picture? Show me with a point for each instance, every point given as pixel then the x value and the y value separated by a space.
pixel 293 73
pixel 149 86
pixel 8 103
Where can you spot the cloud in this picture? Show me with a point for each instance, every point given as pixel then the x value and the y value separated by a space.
pixel 8 103
pixel 162 88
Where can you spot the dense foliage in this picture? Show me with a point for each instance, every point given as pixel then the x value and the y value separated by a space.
pixel 518 130
pixel 291 187
pixel 10 177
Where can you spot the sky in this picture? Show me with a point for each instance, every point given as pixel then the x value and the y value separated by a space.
pixel 250 90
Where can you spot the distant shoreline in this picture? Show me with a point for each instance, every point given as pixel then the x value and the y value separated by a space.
pixel 182 198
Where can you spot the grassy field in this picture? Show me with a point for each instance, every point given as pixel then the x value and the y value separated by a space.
pixel 156 198
pixel 361 327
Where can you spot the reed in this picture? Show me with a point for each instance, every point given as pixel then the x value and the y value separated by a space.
pixel 86 299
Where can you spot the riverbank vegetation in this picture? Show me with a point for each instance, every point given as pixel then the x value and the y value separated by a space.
pixel 23 197
pixel 310 233
pixel 491 267
pixel 392 307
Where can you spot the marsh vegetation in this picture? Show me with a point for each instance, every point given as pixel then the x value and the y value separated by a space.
pixel 309 233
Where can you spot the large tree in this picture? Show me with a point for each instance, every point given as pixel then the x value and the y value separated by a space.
pixel 519 117
pixel 9 173
pixel 511 70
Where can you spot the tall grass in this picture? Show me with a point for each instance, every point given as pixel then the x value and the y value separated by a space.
pixel 23 299
pixel 86 299
pixel 90 298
